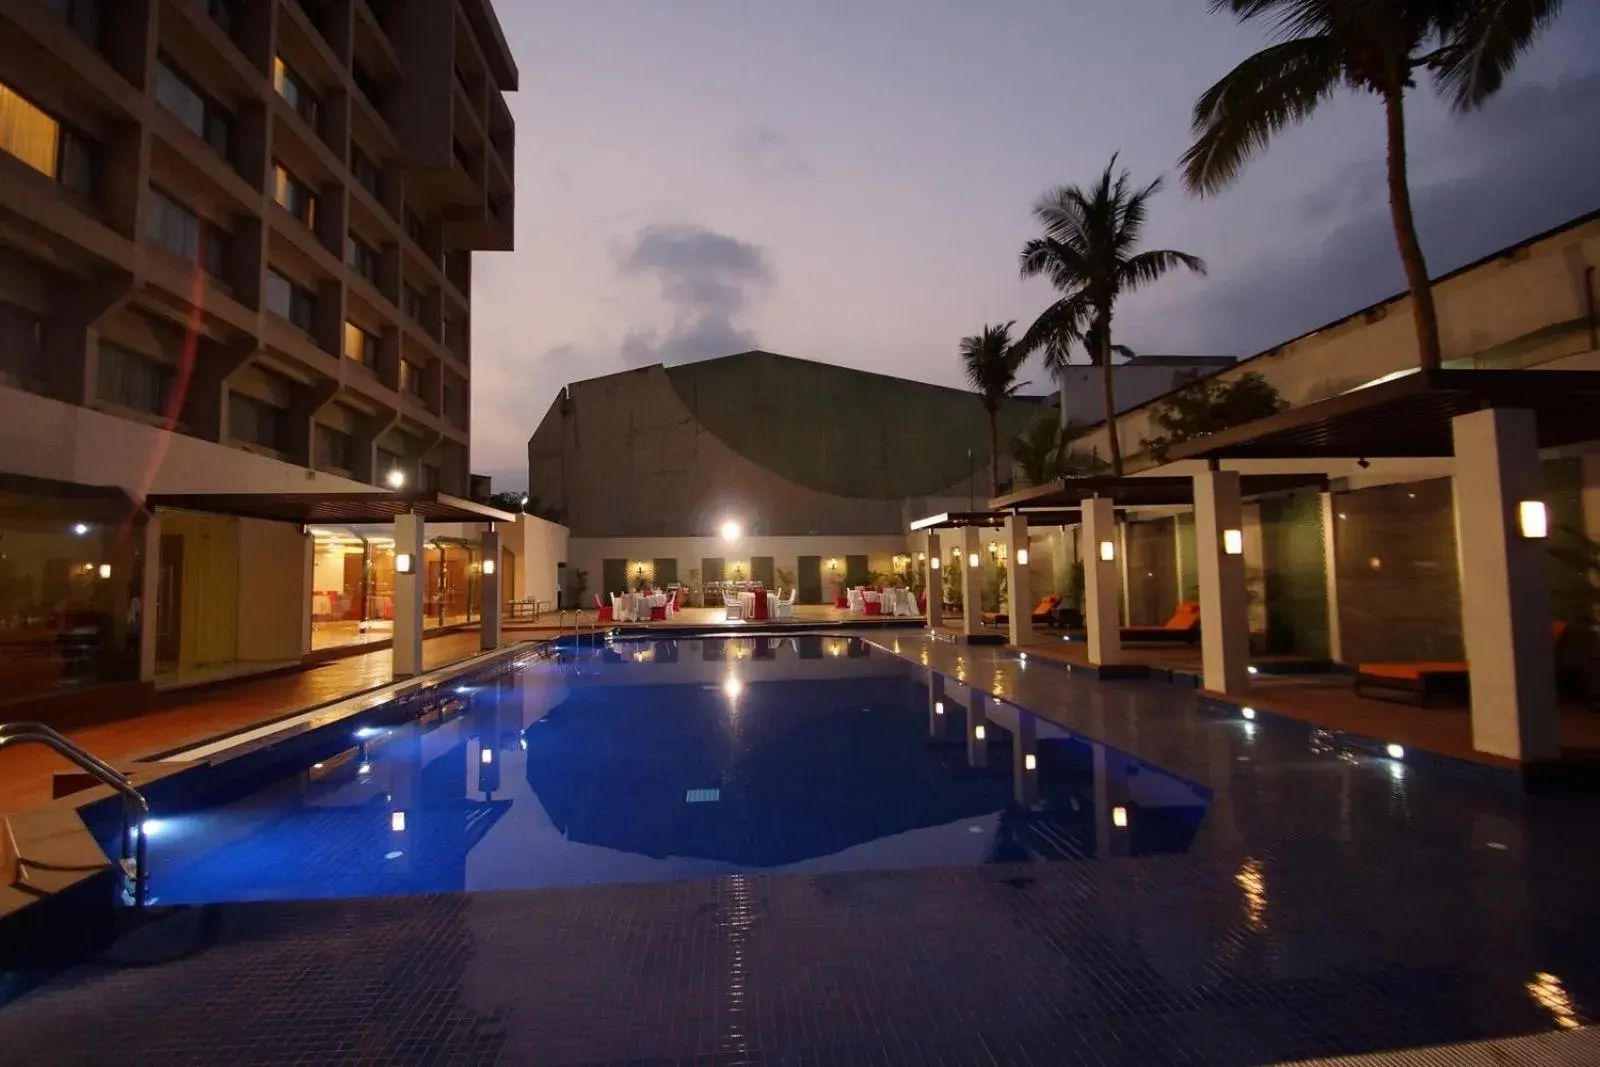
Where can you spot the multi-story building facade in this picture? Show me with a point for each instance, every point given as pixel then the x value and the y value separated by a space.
pixel 236 244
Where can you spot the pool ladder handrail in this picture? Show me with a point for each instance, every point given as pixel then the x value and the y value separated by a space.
pixel 579 618
pixel 135 808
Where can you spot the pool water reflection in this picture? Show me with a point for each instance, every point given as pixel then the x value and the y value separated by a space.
pixel 660 760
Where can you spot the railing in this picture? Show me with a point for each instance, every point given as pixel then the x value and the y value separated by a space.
pixel 135 809
pixel 579 619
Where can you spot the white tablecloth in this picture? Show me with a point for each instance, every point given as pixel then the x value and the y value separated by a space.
pixel 635 607
pixel 747 605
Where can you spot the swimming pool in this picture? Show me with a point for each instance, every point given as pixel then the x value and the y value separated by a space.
pixel 650 761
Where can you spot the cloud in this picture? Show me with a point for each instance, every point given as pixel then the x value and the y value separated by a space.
pixel 768 158
pixel 1526 163
pixel 707 280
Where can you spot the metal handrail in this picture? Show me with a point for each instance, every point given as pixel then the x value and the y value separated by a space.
pixel 133 801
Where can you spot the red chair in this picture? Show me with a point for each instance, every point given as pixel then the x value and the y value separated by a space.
pixel 602 610
pixel 872 607
pixel 839 602
pixel 658 614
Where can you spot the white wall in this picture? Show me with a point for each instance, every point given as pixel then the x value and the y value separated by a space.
pixel 273 598
pixel 540 546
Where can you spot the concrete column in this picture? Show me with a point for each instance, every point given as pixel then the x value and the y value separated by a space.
pixel 149 590
pixel 1505 588
pixel 1330 572
pixel 1126 599
pixel 489 590
pixel 977 730
pixel 1017 584
pixel 1025 750
pixel 938 718
pixel 935 572
pixel 408 601
pixel 1100 582
pixel 308 582
pixel 1224 605
pixel 971 582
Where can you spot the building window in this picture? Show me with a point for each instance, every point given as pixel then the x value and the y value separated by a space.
pixel 369 85
pixel 334 448
pixel 38 139
pixel 174 227
pixel 415 230
pixel 362 257
pixel 452 399
pixel 21 342
pixel 257 422
pixel 294 195
pixel 365 170
pixel 428 476
pixel 361 346
pixel 410 378
pixel 296 92
pixel 82 15
pixel 414 304
pixel 130 380
pixel 204 117
pixel 291 300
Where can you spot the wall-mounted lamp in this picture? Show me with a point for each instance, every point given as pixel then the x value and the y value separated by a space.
pixel 1108 550
pixel 972 560
pixel 938 707
pixel 1119 817
pixel 1233 542
pixel 1533 518
pixel 486 756
pixel 1022 557
pixel 105 570
pixel 488 566
pixel 978 732
pixel 1030 762
pixel 933 563
pixel 396 478
pixel 404 563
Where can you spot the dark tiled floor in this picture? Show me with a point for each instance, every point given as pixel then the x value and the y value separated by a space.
pixel 1331 905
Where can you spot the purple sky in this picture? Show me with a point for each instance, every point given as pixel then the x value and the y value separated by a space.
pixel 850 182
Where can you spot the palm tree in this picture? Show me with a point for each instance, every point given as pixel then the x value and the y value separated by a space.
pixel 1044 452
pixel 991 362
pixel 1369 46
pixel 1089 253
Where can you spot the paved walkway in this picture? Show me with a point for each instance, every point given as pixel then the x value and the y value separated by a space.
pixel 25 770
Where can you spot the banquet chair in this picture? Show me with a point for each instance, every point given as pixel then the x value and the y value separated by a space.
pixel 735 610
pixel 601 612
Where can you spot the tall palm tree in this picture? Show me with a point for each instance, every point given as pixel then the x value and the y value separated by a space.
pixel 991 363
pixel 1371 46
pixel 1089 252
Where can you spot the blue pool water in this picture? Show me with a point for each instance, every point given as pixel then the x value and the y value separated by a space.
pixel 660 760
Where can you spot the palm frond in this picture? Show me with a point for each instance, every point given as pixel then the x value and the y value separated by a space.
pixel 1482 45
pixel 1271 90
pixel 1056 330
pixel 1147 267
pixel 990 362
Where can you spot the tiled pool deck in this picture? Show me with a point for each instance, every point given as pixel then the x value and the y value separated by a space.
pixel 1331 906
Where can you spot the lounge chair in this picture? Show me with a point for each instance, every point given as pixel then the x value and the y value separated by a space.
pixel 1184 626
pixel 1428 682
pixel 1042 612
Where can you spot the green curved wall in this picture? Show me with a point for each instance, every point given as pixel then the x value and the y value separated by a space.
pixel 840 431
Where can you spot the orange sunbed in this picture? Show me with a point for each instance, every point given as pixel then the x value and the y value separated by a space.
pixel 1426 680
pixel 1183 626
pixel 1041 612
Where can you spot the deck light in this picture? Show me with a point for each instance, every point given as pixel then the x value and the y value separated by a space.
pixel 397 821
pixel 80 528
pixel 1108 550
pixel 404 563
pixel 1022 557
pixel 1030 762
pixel 1119 817
pixel 972 559
pixel 488 566
pixel 486 756
pixel 105 570
pixel 1395 751
pixel 1253 669
pixel 1248 713
pixel 396 478
pixel 730 531
pixel 1533 518
pixel 1233 542
pixel 977 731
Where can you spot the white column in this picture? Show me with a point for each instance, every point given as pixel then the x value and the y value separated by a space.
pixel 938 713
pixel 149 591
pixel 1224 605
pixel 971 581
pixel 308 582
pixel 977 730
pixel 1125 600
pixel 1505 588
pixel 1017 583
pixel 934 570
pixel 1025 749
pixel 1100 581
pixel 408 602
pixel 1330 570
pixel 489 590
